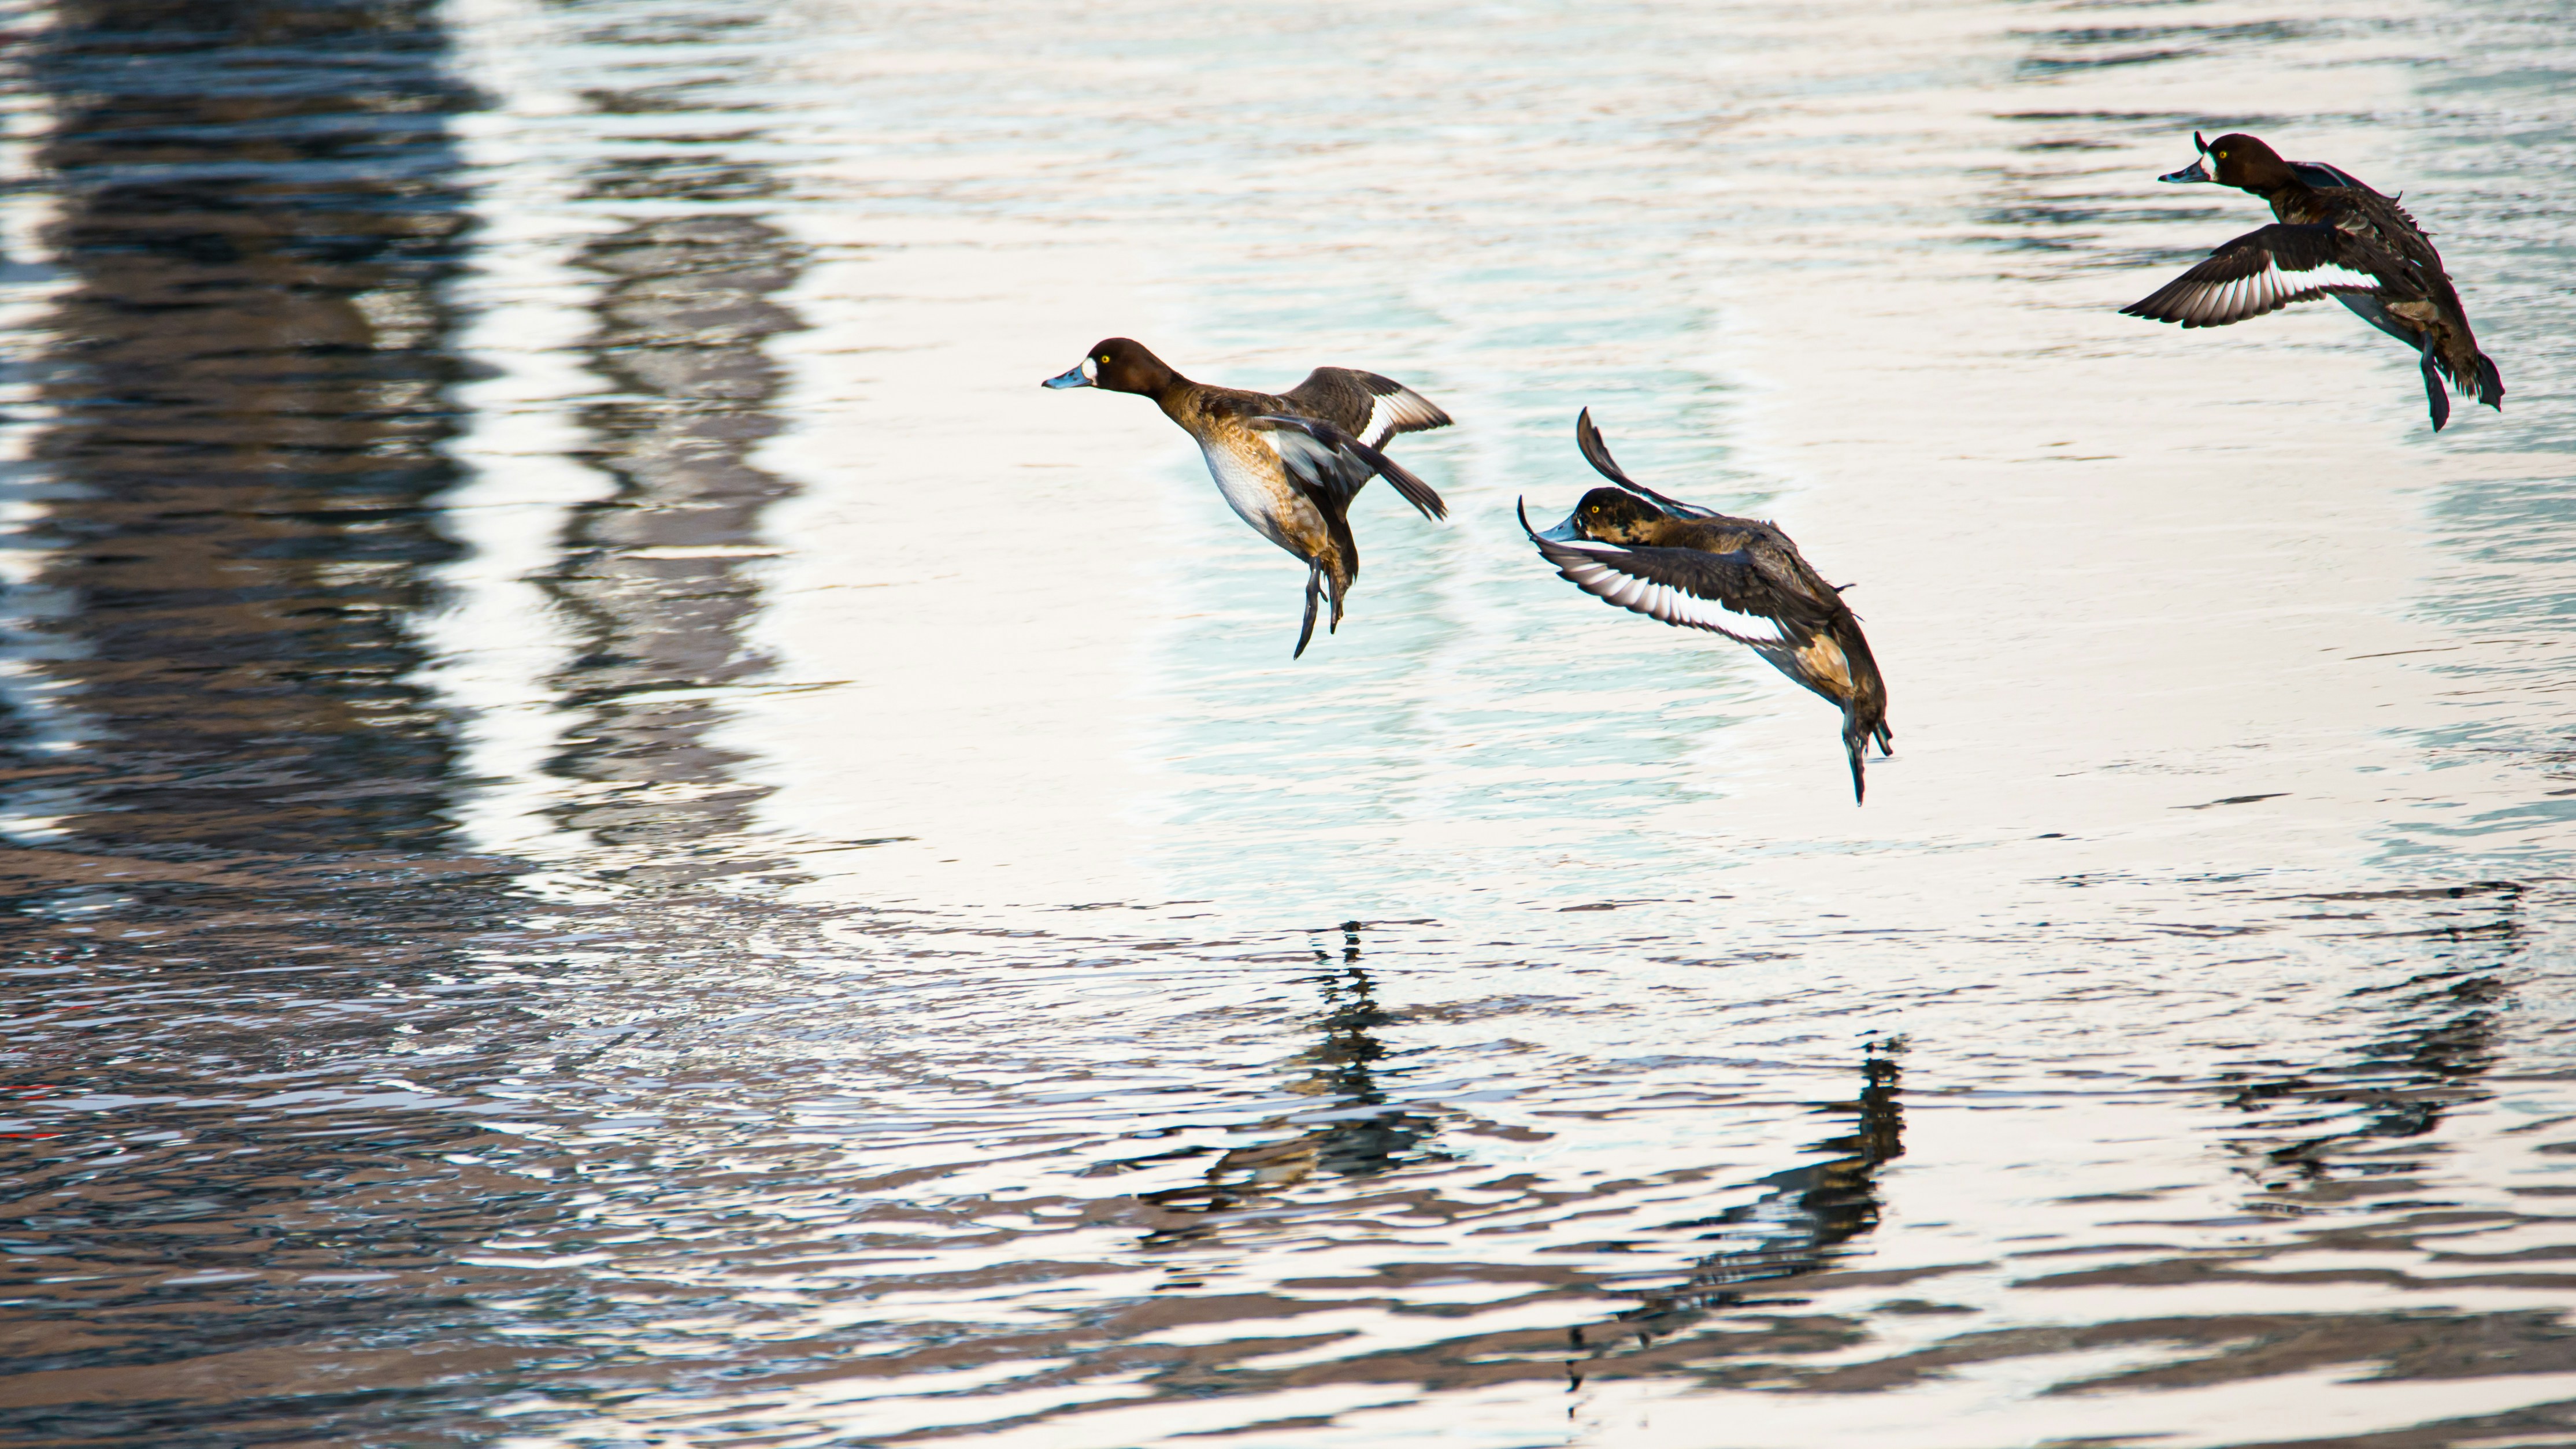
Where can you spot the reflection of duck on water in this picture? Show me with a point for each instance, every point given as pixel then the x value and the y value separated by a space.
pixel 1355 1145
pixel 1796 1225
pixel 2310 1129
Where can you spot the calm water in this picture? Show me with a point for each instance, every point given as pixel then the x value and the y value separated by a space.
pixel 618 833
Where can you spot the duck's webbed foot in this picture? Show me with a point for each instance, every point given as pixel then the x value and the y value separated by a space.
pixel 1314 595
pixel 2435 393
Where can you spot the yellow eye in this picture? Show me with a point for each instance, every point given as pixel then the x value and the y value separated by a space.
pixel 1104 359
pixel 1596 508
pixel 2222 155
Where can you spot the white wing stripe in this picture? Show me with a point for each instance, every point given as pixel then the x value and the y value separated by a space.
pixel 2238 298
pixel 1670 605
pixel 1389 411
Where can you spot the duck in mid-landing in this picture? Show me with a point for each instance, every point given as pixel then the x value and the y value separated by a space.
pixel 1289 462
pixel 2334 237
pixel 1738 577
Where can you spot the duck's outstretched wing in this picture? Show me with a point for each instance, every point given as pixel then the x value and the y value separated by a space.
pixel 1326 458
pixel 1370 408
pixel 1597 453
pixel 1724 593
pixel 2268 269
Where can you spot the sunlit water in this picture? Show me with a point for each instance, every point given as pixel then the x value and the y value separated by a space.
pixel 622 834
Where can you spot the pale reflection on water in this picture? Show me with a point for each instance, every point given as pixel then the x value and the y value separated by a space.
pixel 620 833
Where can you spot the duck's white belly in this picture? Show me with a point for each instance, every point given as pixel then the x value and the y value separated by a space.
pixel 1260 495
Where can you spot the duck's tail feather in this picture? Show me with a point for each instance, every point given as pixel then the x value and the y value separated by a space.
pixel 1415 491
pixel 2479 379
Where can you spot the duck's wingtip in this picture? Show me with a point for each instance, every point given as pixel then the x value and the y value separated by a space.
pixel 1587 440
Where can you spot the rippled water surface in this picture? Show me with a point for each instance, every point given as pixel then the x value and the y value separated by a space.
pixel 618 833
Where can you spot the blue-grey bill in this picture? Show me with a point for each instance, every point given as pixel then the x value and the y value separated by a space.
pixel 2198 170
pixel 1567 532
pixel 1070 377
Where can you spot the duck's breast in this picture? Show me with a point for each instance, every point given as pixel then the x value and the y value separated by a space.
pixel 1248 473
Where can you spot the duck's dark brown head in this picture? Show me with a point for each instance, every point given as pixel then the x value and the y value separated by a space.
pixel 1607 515
pixel 2237 160
pixel 1120 364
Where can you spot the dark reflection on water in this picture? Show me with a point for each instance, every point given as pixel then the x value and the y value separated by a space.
pixel 229 1222
pixel 2339 1130
pixel 1804 1215
pixel 654 574
pixel 1363 1136
pixel 240 409
pixel 243 1121
pixel 242 391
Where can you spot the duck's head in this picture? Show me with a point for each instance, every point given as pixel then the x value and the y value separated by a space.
pixel 1607 515
pixel 1120 364
pixel 2235 159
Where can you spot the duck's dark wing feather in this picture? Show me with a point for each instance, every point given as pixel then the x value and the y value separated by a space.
pixel 2326 174
pixel 2390 220
pixel 2268 269
pixel 1370 408
pixel 1724 593
pixel 1597 453
pixel 1327 459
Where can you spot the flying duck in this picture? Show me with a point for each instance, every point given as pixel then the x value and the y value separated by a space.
pixel 2335 238
pixel 1694 567
pixel 1289 462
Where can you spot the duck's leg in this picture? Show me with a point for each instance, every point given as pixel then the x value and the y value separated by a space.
pixel 1314 593
pixel 2434 392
